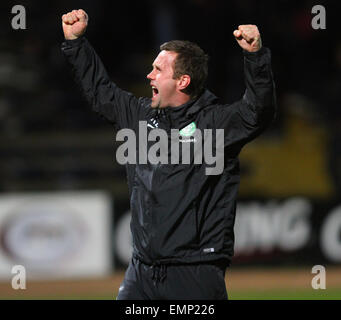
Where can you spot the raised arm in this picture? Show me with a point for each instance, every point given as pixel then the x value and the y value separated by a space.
pixel 118 106
pixel 247 118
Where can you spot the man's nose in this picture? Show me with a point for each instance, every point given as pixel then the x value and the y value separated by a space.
pixel 150 75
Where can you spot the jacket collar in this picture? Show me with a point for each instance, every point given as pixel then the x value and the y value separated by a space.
pixel 181 116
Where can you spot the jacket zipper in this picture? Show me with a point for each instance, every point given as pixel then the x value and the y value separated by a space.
pixel 163 113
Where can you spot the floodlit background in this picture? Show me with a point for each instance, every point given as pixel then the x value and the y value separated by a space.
pixel 64 207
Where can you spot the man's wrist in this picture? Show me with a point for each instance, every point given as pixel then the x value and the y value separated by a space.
pixel 74 41
pixel 254 54
pixel 260 50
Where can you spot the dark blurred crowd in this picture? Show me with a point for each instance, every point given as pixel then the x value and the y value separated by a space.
pixel 44 121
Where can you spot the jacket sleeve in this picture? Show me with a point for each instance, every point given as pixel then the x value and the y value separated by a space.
pixel 245 119
pixel 116 105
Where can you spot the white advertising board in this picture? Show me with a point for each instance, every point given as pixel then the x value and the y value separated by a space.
pixel 56 235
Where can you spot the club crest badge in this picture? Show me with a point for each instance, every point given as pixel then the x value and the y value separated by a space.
pixel 188 130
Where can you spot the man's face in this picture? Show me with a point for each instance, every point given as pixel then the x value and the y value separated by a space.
pixel 164 87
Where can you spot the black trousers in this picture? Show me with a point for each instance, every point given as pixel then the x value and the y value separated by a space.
pixel 200 281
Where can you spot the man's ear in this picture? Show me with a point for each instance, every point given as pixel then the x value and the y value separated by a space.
pixel 184 81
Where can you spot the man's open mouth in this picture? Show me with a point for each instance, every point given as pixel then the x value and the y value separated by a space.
pixel 155 91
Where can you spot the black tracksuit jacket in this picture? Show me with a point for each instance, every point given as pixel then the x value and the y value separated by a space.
pixel 180 214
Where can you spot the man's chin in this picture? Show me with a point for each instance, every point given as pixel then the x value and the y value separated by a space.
pixel 155 104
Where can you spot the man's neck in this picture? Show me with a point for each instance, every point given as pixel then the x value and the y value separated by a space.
pixel 181 100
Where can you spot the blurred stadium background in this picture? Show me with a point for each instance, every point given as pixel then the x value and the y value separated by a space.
pixel 64 207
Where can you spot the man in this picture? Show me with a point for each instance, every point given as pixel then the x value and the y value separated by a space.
pixel 182 218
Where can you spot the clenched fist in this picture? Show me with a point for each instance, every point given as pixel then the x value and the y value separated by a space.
pixel 74 24
pixel 248 37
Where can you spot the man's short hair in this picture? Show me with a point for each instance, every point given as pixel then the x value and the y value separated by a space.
pixel 191 60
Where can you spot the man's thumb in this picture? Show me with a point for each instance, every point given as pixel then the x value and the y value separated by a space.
pixel 238 34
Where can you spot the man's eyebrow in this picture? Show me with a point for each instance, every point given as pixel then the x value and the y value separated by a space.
pixel 156 66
